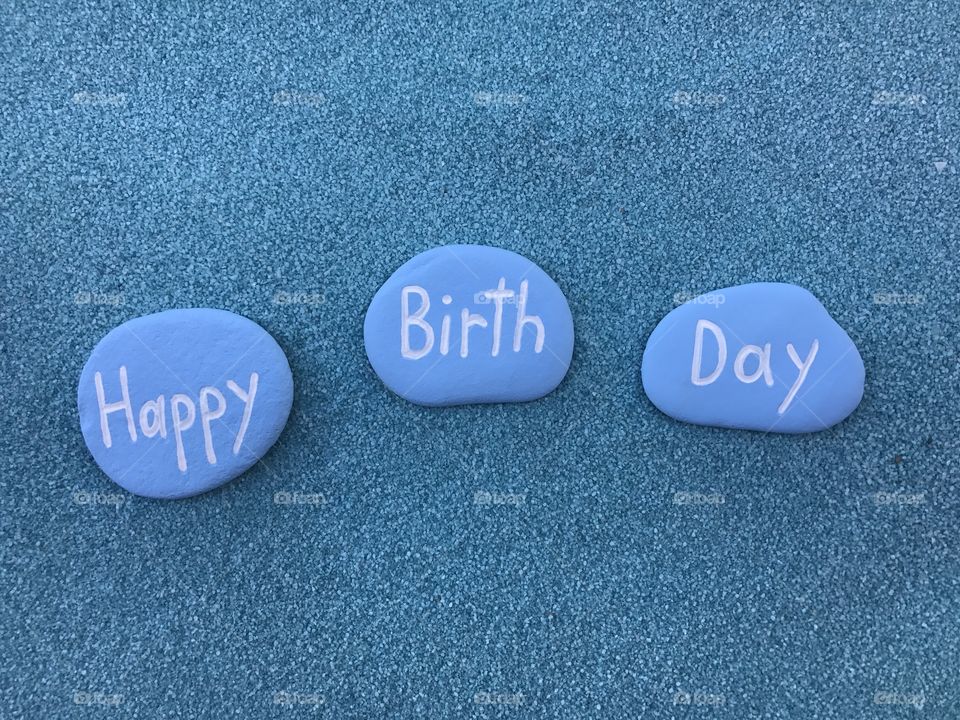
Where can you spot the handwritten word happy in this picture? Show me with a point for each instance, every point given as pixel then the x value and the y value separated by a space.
pixel 183 412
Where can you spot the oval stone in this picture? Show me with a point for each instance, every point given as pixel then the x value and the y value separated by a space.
pixel 764 356
pixel 180 402
pixel 463 324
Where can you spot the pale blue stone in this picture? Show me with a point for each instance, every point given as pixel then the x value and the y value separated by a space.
pixel 180 402
pixel 518 340
pixel 771 358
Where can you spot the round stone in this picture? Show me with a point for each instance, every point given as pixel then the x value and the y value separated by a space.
pixel 463 324
pixel 764 356
pixel 180 402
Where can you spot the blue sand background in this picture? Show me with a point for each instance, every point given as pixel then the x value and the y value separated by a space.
pixel 282 162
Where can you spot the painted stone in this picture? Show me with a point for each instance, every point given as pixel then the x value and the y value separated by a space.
pixel 180 402
pixel 764 356
pixel 463 324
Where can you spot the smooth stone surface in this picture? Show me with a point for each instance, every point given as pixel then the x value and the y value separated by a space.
pixel 190 400
pixel 771 359
pixel 519 331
